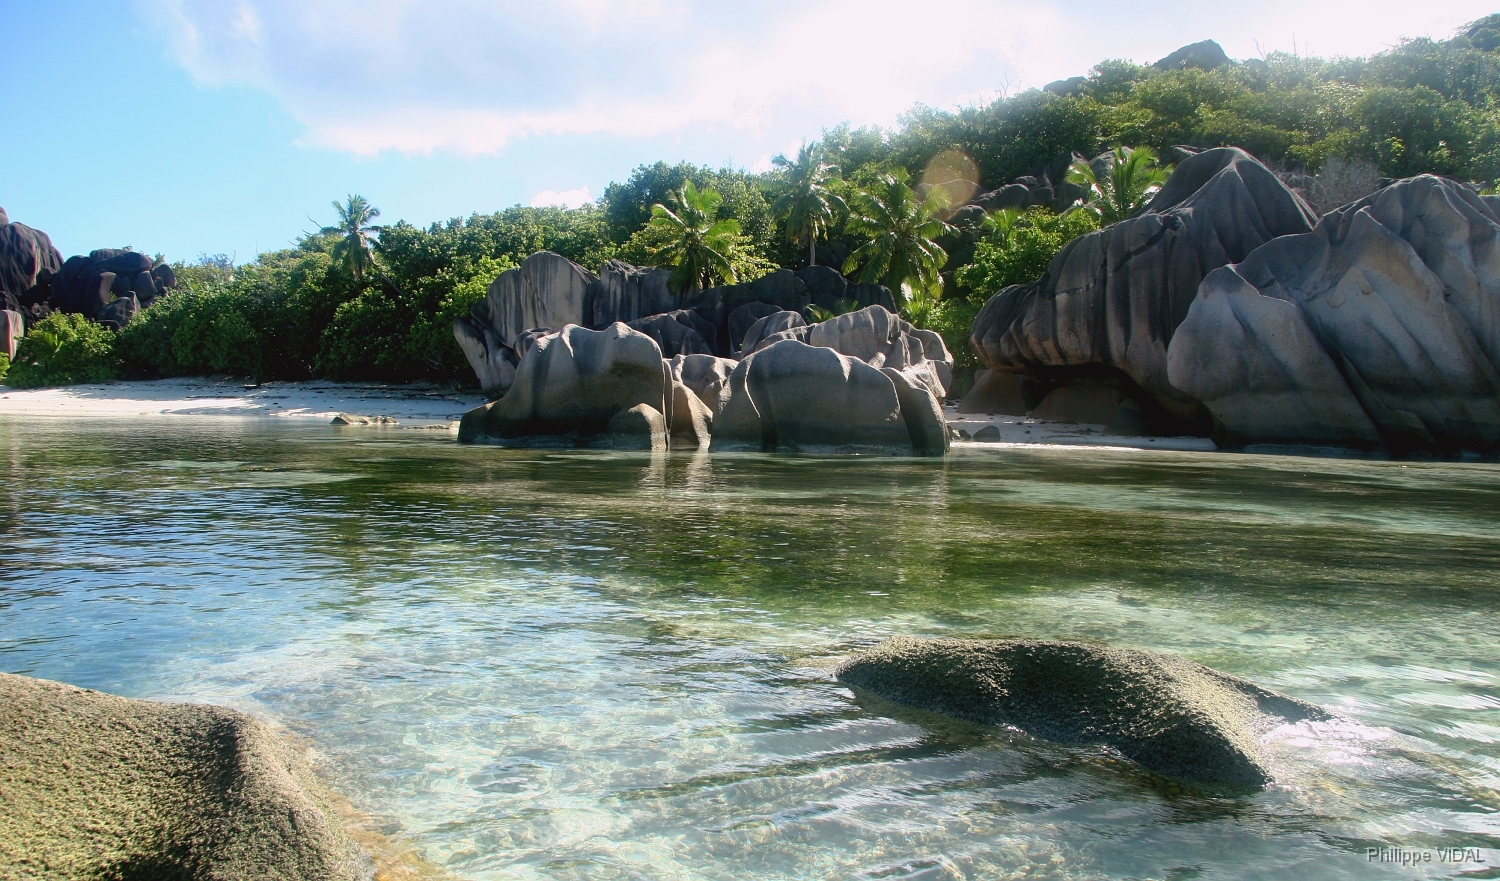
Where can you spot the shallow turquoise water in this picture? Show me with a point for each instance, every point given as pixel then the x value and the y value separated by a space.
pixel 573 664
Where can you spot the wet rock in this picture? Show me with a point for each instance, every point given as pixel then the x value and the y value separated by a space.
pixel 994 392
pixel 793 397
pixel 1111 300
pixel 96 786
pixel 922 413
pixel 1379 328
pixel 571 384
pixel 1170 715
pixel 641 427
pixel 692 420
pixel 989 434
pixel 356 419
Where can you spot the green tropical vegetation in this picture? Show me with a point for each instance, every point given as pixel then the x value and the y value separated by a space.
pixel 358 301
pixel 63 350
pixel 1131 178
pixel 696 241
pixel 4 365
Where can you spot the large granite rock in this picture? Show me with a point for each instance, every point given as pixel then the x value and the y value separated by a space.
pixel 680 332
pixel 1170 715
pixel 626 293
pixel 792 397
pixel 692 420
pixel 96 786
pixel 1379 328
pixel 1111 300
pixel 27 260
pixel 705 375
pixel 781 289
pixel 12 328
pixel 571 384
pixel 770 325
pixel 109 285
pixel 994 392
pixel 881 338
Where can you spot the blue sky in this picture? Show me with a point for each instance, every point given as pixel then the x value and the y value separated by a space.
pixel 184 127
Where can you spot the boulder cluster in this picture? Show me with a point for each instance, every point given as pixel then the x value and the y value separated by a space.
pixel 619 359
pixel 1226 306
pixel 109 285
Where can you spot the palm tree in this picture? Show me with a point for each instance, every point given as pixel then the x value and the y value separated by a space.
pixel 807 207
pixel 700 243
pixel 902 252
pixel 1133 178
pixel 358 234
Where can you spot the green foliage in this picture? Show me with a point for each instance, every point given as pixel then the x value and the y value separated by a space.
pixel 806 207
pixel 627 207
pixel 901 231
pixel 1019 246
pixel 698 243
pixel 4 365
pixel 63 350
pixel 1133 179
pixel 355 234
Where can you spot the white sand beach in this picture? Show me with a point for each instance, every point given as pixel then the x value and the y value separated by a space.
pixel 414 405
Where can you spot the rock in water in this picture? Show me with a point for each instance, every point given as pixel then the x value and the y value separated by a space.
pixel 96 786
pixel 571 384
pixel 1111 300
pixel 1381 327
pixel 641 427
pixel 706 375
pixel 692 420
pixel 792 397
pixel 1170 715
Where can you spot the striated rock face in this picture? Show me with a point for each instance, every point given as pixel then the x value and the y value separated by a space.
pixel 96 786
pixel 1111 300
pixel 792 397
pixel 681 332
pixel 774 324
pixel 27 260
pixel 1381 327
pixel 705 375
pixel 571 384
pixel 1168 714
pixel 626 293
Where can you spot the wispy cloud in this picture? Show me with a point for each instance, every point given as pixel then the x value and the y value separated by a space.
pixel 471 76
pixel 566 199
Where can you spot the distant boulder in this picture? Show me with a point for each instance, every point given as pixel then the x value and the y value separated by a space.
pixel 792 397
pixel 782 289
pixel 705 375
pixel 571 384
pixel 1069 87
pixel 1206 55
pixel 1168 714
pixel 27 262
pixel 773 325
pixel 680 332
pixel 1380 328
pixel 1110 302
pixel 109 285
pixel 745 317
pixel 628 293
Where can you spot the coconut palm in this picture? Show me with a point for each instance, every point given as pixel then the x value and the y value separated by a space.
pixel 1133 178
pixel 806 206
pixel 902 253
pixel 357 234
pixel 699 243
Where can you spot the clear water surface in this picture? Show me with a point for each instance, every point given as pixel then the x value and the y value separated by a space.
pixel 573 664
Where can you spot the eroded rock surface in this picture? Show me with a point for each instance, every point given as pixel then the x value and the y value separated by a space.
pixel 793 397
pixel 1170 715
pixel 571 384
pixel 96 786
pixel 1111 300
pixel 1381 327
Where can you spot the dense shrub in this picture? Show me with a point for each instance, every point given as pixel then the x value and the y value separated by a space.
pixel 4 365
pixel 64 350
pixel 1018 247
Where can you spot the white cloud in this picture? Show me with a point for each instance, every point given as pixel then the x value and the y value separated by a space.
pixel 565 199
pixel 471 76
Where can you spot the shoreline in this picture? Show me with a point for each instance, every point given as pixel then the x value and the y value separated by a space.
pixel 419 405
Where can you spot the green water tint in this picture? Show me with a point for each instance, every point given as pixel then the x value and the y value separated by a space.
pixel 574 664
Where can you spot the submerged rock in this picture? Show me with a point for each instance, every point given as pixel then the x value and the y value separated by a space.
pixel 1169 714
pixel 1379 328
pixel 571 384
pixel 356 419
pixel 96 786
pixel 1111 300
